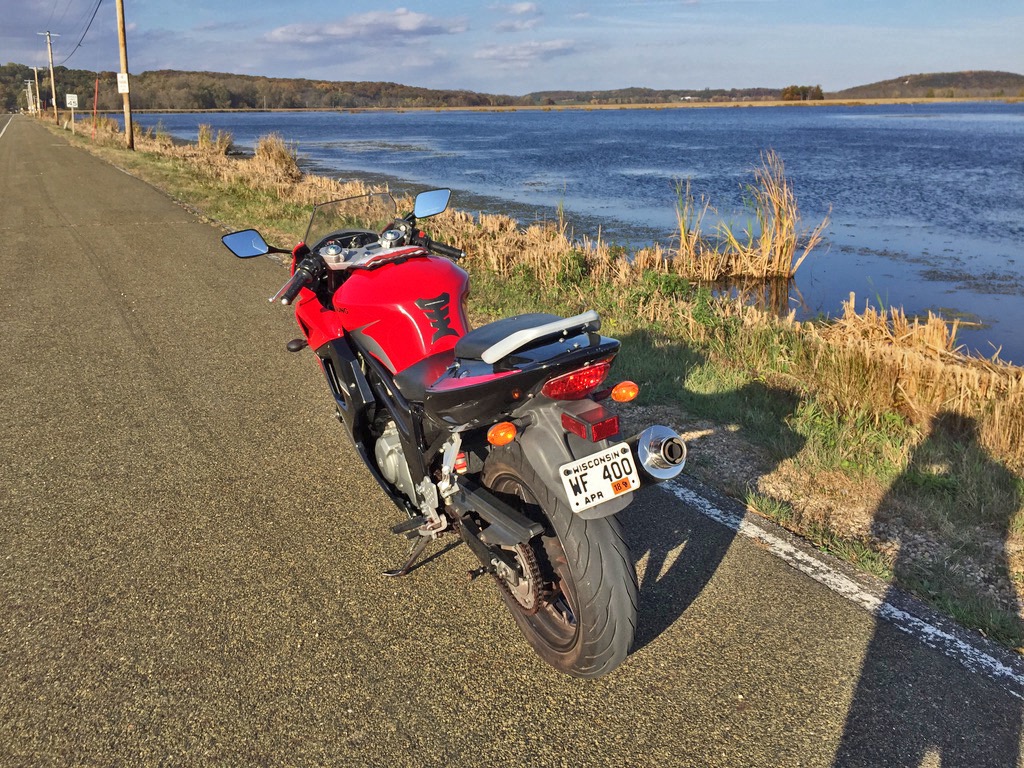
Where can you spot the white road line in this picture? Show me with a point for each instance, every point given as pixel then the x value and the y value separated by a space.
pixel 5 127
pixel 958 648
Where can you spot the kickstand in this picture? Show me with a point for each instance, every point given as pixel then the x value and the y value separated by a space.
pixel 417 549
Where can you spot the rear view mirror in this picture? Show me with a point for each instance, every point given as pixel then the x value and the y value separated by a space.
pixel 431 203
pixel 246 244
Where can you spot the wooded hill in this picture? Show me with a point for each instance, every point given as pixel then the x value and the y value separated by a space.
pixel 940 85
pixel 177 90
pixel 170 90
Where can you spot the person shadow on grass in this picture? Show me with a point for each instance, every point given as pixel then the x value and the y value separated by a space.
pixel 678 554
pixel 913 706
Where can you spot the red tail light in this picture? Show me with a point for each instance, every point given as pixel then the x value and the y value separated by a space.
pixel 578 384
pixel 595 424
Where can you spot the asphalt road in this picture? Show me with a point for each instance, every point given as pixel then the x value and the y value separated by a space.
pixel 190 555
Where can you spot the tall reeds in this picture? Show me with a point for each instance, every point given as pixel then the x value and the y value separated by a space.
pixel 275 160
pixel 697 257
pixel 211 143
pixel 775 247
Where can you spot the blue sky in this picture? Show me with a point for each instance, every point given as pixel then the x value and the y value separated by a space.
pixel 518 47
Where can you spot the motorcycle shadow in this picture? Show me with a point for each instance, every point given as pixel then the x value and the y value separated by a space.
pixel 678 550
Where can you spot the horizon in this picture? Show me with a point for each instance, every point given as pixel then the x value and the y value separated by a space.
pixel 739 89
pixel 516 48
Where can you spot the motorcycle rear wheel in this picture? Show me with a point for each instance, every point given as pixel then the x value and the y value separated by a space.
pixel 581 617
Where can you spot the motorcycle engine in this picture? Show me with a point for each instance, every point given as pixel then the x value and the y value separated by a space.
pixel 391 461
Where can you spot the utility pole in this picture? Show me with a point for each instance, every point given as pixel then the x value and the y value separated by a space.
pixel 36 71
pixel 53 80
pixel 129 131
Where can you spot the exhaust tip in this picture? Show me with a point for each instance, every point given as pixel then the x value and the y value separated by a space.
pixel 661 452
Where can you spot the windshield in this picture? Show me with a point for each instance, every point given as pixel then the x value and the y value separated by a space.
pixel 374 212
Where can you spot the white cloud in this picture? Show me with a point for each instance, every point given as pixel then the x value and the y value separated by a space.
pixel 518 9
pixel 517 25
pixel 525 16
pixel 373 25
pixel 525 54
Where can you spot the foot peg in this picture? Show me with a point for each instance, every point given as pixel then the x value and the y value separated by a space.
pixel 296 345
pixel 409 525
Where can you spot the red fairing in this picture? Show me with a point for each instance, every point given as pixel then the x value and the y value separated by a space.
pixel 298 252
pixel 318 324
pixel 406 311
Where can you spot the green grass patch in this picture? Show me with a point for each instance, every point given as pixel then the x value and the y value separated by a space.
pixel 945 586
pixel 860 443
pixel 859 551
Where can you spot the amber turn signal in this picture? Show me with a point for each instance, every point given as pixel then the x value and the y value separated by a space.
pixel 502 433
pixel 625 391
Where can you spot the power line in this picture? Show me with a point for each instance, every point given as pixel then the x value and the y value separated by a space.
pixel 67 5
pixel 83 18
pixel 86 32
pixel 65 13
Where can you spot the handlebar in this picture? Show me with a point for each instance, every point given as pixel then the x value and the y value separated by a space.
pixel 448 251
pixel 311 268
pixel 306 272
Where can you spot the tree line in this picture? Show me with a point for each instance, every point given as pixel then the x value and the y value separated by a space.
pixel 177 90
pixel 201 90
pixel 174 90
pixel 802 93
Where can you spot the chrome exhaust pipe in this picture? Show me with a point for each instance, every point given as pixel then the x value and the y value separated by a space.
pixel 660 451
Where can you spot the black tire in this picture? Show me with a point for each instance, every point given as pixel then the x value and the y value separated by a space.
pixel 586 619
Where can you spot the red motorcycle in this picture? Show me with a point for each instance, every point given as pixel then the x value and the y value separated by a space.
pixel 496 434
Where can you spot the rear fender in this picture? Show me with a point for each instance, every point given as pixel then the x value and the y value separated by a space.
pixel 548 446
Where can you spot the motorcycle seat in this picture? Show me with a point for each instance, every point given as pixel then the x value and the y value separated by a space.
pixel 522 332
pixel 479 340
pixel 414 380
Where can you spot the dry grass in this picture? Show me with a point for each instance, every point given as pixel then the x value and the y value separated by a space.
pixel 877 362
pixel 775 247
pixel 275 161
pixel 888 362
pixel 213 144
pixel 696 256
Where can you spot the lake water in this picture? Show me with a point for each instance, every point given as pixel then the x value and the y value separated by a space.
pixel 927 201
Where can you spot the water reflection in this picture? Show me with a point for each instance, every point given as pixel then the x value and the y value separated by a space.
pixel 776 296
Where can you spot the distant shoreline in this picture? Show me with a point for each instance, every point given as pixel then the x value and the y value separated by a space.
pixel 597 107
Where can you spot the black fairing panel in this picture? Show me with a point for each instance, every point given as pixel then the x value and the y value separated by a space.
pixel 350 389
pixel 493 391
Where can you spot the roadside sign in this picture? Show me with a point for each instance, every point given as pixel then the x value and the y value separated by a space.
pixel 122 82
pixel 72 101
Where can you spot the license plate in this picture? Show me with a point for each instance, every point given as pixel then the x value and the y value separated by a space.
pixel 599 477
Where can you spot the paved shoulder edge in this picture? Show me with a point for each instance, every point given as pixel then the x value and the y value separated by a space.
pixel 888 603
